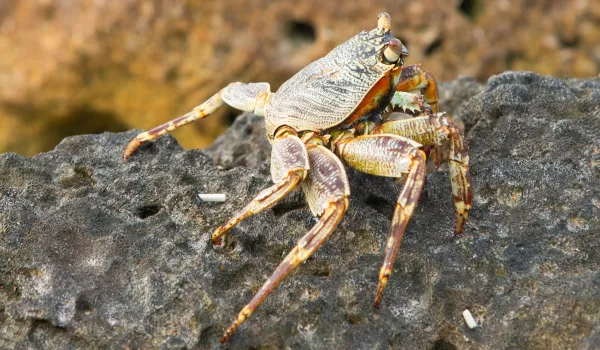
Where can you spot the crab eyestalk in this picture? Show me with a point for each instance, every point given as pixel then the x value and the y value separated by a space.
pixel 384 21
pixel 394 51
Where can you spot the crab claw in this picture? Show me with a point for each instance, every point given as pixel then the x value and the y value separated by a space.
pixel 406 100
pixel 383 21
pixel 395 50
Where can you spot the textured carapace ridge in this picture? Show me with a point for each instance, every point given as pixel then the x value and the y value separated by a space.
pixel 324 94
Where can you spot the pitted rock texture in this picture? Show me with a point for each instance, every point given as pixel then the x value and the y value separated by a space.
pixel 76 67
pixel 95 252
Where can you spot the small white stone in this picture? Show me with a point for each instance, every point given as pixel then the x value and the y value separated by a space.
pixel 212 197
pixel 469 319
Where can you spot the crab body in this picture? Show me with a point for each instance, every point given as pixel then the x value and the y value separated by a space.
pixel 328 92
pixel 336 111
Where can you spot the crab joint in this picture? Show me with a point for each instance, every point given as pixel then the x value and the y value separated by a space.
pixel 395 50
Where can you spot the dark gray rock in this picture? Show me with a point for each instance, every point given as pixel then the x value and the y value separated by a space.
pixel 243 144
pixel 95 252
pixel 454 94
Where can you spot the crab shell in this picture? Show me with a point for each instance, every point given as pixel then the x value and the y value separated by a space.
pixel 354 80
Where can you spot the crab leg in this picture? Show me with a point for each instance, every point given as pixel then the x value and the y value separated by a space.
pixel 432 130
pixel 246 97
pixel 393 156
pixel 327 191
pixel 414 78
pixel 289 165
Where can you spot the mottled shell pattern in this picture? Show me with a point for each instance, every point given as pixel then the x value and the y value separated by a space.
pixel 324 93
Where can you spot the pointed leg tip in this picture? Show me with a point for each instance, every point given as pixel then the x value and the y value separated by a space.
pixel 216 239
pixel 229 332
pixel 379 295
pixel 217 236
pixel 126 155
pixel 460 224
pixel 130 148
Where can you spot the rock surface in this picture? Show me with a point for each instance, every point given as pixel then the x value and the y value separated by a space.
pixel 75 67
pixel 95 252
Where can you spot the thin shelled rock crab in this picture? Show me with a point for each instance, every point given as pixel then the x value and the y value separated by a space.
pixel 337 109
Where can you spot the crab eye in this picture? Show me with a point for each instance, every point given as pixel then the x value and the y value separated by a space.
pixel 394 51
pixel 384 21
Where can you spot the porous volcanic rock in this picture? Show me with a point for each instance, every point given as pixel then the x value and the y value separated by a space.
pixel 97 252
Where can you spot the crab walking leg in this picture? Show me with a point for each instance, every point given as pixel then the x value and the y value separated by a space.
pixel 327 191
pixel 414 78
pixel 246 97
pixel 432 130
pixel 289 165
pixel 393 156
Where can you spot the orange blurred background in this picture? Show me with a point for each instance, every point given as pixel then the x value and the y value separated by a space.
pixel 88 66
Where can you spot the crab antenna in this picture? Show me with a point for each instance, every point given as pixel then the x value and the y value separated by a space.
pixel 383 22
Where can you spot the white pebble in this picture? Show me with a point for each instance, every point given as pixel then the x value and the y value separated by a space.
pixel 212 197
pixel 469 319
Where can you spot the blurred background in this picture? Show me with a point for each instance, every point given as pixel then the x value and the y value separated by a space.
pixel 72 67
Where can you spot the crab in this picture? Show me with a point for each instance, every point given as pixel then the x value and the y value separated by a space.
pixel 337 110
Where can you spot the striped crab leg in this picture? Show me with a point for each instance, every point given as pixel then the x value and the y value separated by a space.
pixel 431 130
pixel 289 166
pixel 392 156
pixel 327 190
pixel 246 97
